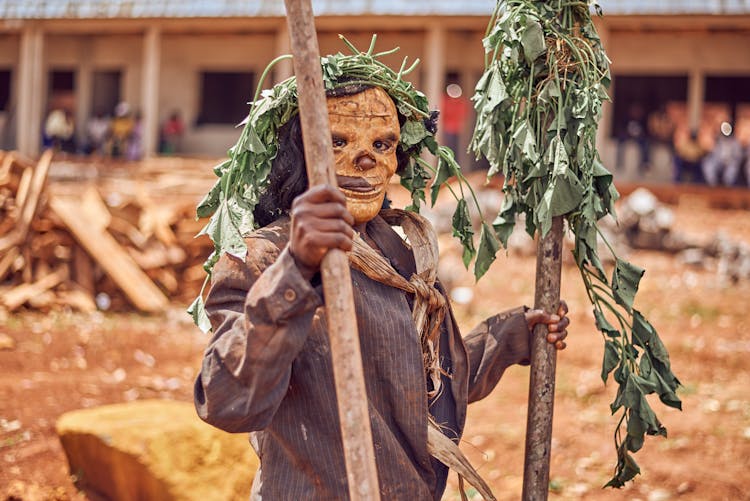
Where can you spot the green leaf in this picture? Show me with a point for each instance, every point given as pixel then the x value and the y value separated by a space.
pixel 550 91
pixel 210 202
pixel 626 470
pixel 557 157
pixel 505 220
pixel 636 431
pixel 543 215
pixel 665 390
pixel 603 325
pixel 463 230
pixel 224 233
pixel 197 310
pixel 412 132
pixel 523 137
pixel 496 92
pixel 625 280
pixel 414 178
pixel 567 193
pixel 254 143
pixel 644 335
pixel 488 247
pixel 532 41
pixel 580 104
pixel 447 167
pixel 611 359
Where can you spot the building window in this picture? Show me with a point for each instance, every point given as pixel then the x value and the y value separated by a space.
pixel 4 89
pixel 224 97
pixel 727 98
pixel 636 98
pixel 105 93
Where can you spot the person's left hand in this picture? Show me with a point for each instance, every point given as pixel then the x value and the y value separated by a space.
pixel 556 324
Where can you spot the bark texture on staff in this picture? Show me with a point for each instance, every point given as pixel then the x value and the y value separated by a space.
pixel 543 362
pixel 356 433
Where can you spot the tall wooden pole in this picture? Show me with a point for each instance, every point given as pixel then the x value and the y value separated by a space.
pixel 543 361
pixel 337 286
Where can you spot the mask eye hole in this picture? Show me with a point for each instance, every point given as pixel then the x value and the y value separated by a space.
pixel 382 145
pixel 338 142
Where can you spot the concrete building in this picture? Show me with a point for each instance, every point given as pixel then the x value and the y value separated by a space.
pixel 204 58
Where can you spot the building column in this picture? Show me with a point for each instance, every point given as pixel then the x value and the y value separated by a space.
pixel 434 61
pixel 283 69
pixel 150 89
pixel 696 93
pixel 84 91
pixel 30 90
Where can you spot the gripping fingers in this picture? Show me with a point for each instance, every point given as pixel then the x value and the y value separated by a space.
pixel 328 210
pixel 324 240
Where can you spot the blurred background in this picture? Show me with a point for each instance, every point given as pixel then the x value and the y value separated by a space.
pixel 680 70
pixel 135 101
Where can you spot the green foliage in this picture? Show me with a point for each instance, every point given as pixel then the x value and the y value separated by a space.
pixel 243 176
pixel 538 105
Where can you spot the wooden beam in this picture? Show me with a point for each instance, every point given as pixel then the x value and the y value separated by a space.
pixel 543 365
pixel 15 297
pixel 31 201
pixel 105 250
pixel 351 393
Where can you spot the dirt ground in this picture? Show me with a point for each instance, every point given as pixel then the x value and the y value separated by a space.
pixel 58 362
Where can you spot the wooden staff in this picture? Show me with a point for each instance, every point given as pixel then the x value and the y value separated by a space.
pixel 337 286
pixel 543 360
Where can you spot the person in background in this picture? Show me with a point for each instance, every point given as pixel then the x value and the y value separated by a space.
pixel 59 130
pixel 722 164
pixel 635 131
pixel 97 132
pixel 122 128
pixel 134 148
pixel 171 134
pixel 688 154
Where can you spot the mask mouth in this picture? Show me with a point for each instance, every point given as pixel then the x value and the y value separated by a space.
pixel 357 185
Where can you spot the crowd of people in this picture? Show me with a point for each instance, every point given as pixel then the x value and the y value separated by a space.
pixel 712 154
pixel 116 135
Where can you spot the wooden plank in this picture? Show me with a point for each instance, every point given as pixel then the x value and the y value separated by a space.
pixel 23 186
pixel 7 260
pixel 77 299
pixel 113 259
pixel 93 205
pixel 8 159
pixel 38 182
pixel 15 297
pixel 83 270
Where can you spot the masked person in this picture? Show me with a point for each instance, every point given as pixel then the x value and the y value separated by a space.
pixel 267 370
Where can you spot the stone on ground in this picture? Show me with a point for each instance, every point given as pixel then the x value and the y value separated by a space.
pixel 157 450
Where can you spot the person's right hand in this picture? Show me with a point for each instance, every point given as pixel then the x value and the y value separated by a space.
pixel 320 222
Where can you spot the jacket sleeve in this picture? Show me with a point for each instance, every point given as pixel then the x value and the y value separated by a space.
pixel 261 312
pixel 493 346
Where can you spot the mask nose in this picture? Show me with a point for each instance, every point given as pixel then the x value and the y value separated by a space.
pixel 364 161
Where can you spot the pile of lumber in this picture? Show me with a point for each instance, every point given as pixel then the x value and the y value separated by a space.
pixel 121 239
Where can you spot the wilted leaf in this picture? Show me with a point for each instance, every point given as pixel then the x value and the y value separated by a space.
pixel 611 359
pixel 532 41
pixel 625 280
pixel 197 310
pixel 488 247
pixel 463 230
